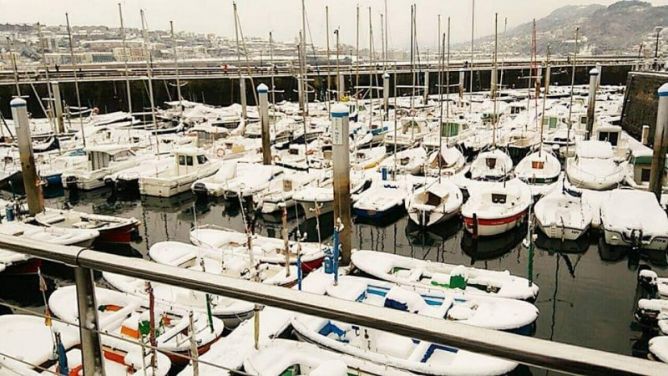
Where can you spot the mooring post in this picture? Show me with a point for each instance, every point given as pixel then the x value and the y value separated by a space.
pixel 426 86
pixel 58 103
pixel 644 136
pixel 263 98
pixel 591 104
pixel 31 181
pixel 548 74
pixel 242 95
pixel 657 171
pixel 599 68
pixel 341 87
pixel 386 94
pixel 462 74
pixel 341 161
pixel 88 322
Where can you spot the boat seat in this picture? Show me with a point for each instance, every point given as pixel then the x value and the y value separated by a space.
pixel 52 218
pixel 394 345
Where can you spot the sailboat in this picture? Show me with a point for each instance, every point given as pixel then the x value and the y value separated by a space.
pixel 434 203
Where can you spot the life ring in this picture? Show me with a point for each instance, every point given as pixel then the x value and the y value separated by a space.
pixel 220 152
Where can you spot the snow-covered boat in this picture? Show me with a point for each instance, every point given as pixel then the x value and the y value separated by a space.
pixel 658 348
pixel 15 263
pixel 29 339
pixel 410 131
pixel 396 351
pixel 654 284
pixel 282 357
pixel 364 159
pixel 540 170
pixel 102 161
pixel 53 235
pixel 634 219
pixel 231 311
pixel 233 262
pixel 563 215
pixel 383 199
pixel 279 192
pixel 124 315
pixel 594 166
pixel 483 311
pixel 127 180
pixel 450 160
pixel 234 179
pixel 265 249
pixel 434 203
pixel 496 207
pixel 409 161
pixel 492 165
pixel 323 195
pixel 189 165
pixel 407 271
pixel 112 229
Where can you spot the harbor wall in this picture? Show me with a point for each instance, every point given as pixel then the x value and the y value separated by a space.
pixel 110 96
pixel 641 102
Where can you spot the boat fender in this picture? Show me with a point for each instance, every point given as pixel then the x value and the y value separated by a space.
pixel 220 152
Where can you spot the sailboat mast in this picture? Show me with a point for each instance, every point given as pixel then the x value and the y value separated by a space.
pixel 48 80
pixel 570 106
pixel 271 57
pixel 370 71
pixel 542 121
pixel 494 96
pixel 441 58
pixel 176 66
pixel 447 77
pixel 149 74
pixel 329 78
pixel 125 59
pixel 76 78
pixel 472 54
pixel 357 54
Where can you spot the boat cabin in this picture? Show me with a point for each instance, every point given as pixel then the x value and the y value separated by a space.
pixel 452 128
pixel 101 156
pixel 609 133
pixel 641 162
pixel 189 159
pixel 550 122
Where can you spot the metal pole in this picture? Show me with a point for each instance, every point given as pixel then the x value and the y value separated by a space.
pixel 386 94
pixel 426 86
pixel 657 171
pixel 242 94
pixel 125 60
pixel 599 68
pixel 58 104
pixel 176 66
pixel 46 75
pixel 570 106
pixel 591 103
pixel 329 77
pixel 149 74
pixel 524 349
pixel 262 91
pixel 341 170
pixel 76 79
pixel 14 66
pixel 472 53
pixel 91 349
pixel 31 181
pixel 548 73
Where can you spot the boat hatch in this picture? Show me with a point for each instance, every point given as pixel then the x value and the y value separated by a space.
pixel 404 161
pixel 491 163
pixel 537 165
pixel 499 198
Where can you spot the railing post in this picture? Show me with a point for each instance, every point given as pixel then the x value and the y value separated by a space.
pixel 91 347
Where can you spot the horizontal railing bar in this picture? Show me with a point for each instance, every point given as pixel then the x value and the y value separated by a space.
pixel 523 349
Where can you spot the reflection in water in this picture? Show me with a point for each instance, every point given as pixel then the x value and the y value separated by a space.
pixel 615 254
pixel 486 248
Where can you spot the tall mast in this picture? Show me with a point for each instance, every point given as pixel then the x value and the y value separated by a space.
pixel 441 50
pixel 447 77
pixel 412 55
pixel 304 70
pixel 472 54
pixel 382 43
pixel 329 78
pixel 176 66
pixel 271 56
pixel 149 74
pixel 570 106
pixel 387 33
pixel 125 60
pixel 48 80
pixel 14 66
pixel 236 37
pixel 357 53
pixel 370 70
pixel 494 96
pixel 542 120
pixel 76 78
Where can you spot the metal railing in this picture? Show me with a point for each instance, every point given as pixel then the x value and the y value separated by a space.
pixel 522 349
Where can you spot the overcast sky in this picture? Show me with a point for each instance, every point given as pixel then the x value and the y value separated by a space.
pixel 283 17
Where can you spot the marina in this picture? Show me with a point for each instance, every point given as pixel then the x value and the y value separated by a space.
pixel 391 216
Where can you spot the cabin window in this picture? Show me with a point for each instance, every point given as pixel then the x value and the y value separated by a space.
pixel 449 129
pixel 611 137
pixel 189 160
pixel 537 165
pixel 182 160
pixel 499 198
pixel 201 159
pixel 583 120
pixel 550 121
pixel 515 110
pixel 491 163
pixel 644 174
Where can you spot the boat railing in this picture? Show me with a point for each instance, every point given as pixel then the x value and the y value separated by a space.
pixel 541 353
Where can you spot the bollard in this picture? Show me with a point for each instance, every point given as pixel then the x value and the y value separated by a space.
pixel 644 138
pixel 58 104
pixel 242 94
pixel 341 161
pixel 657 171
pixel 31 181
pixel 591 104
pixel 263 98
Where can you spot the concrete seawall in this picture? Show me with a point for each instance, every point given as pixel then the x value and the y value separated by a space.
pixel 640 102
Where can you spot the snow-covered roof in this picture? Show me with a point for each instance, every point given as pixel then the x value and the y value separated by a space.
pixel 594 149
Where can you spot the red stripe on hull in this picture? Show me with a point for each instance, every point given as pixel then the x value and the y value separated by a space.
pixel 468 221
pixel 119 235
pixel 27 267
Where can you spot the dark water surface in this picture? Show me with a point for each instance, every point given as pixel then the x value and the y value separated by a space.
pixel 587 292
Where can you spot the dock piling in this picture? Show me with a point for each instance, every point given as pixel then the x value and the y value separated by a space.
pixel 263 97
pixel 31 181
pixel 657 171
pixel 591 101
pixel 341 161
